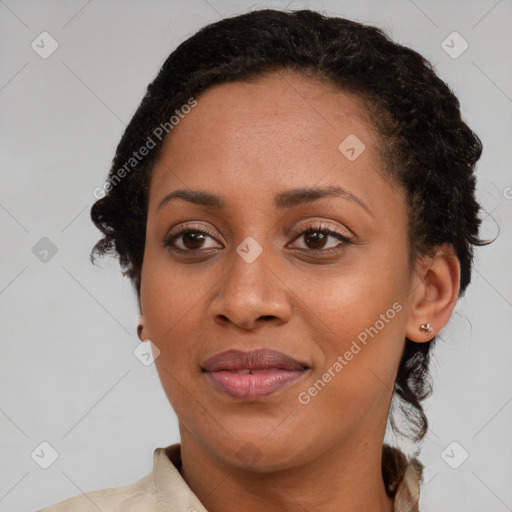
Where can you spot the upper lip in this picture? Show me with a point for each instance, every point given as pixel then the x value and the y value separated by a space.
pixel 260 359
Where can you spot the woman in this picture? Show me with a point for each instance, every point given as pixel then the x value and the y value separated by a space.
pixel 294 203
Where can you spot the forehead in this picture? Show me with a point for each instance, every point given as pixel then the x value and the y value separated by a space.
pixel 281 130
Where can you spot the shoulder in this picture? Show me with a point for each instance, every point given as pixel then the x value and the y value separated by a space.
pixel 138 497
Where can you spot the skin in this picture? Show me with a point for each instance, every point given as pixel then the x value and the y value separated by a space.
pixel 248 142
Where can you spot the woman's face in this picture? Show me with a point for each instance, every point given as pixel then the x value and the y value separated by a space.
pixel 249 277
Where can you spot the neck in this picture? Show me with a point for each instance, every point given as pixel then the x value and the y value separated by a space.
pixel 347 478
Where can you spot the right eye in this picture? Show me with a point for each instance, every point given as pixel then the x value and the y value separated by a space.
pixel 191 239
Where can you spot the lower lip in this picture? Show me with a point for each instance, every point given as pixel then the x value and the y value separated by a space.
pixel 251 386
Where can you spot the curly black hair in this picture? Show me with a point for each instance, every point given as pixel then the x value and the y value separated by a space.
pixel 425 145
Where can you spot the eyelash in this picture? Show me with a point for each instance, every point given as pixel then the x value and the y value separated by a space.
pixel 312 228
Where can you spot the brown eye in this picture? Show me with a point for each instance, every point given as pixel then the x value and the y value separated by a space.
pixel 188 240
pixel 193 241
pixel 317 237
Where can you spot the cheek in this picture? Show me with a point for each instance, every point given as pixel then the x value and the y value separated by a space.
pixel 169 293
pixel 358 320
pixel 361 353
pixel 170 302
pixel 352 298
pixel 169 308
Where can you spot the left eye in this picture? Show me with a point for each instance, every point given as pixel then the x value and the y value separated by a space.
pixel 316 237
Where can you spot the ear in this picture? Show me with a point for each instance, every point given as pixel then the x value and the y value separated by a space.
pixel 141 322
pixel 435 290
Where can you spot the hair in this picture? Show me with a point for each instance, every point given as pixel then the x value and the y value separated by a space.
pixel 426 146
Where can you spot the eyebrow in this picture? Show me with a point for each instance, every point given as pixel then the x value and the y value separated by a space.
pixel 287 199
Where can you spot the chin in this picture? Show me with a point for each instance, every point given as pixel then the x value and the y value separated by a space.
pixel 260 454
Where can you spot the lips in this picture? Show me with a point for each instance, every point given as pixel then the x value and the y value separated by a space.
pixel 261 359
pixel 252 375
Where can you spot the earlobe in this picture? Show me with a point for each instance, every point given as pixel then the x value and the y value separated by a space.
pixel 140 325
pixel 435 292
pixel 140 328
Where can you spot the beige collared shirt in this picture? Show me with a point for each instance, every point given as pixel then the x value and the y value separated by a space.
pixel 164 489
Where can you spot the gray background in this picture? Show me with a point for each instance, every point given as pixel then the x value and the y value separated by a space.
pixel 68 375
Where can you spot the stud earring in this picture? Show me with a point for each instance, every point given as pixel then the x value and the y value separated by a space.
pixel 426 328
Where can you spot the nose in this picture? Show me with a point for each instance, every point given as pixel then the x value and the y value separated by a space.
pixel 250 295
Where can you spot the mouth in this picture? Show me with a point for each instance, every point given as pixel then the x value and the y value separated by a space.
pixel 252 375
